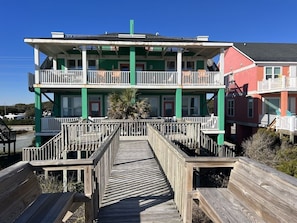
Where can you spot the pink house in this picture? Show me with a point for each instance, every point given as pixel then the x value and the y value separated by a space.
pixel 261 88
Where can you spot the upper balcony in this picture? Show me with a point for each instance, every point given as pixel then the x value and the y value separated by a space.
pixel 120 79
pixel 277 85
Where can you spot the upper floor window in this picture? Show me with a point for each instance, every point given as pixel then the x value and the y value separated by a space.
pixel 272 72
pixel 231 108
pixel 188 65
pixel 250 108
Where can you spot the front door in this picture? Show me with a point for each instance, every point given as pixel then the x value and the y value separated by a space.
pixel 94 109
pixel 168 109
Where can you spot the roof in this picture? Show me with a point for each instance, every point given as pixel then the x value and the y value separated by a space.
pixel 272 52
pixel 62 43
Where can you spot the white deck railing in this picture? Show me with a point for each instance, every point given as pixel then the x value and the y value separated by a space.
pixel 61 77
pixel 108 77
pixel 207 123
pixel 277 84
pixel 190 78
pixel 143 78
pixel 156 78
pixel 53 124
pixel 287 123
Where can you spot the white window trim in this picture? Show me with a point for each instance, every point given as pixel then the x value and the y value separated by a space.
pixel 272 75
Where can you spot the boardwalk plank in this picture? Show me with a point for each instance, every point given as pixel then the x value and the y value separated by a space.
pixel 137 190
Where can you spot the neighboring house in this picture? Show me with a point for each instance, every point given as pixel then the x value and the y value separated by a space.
pixel 261 88
pixel 81 71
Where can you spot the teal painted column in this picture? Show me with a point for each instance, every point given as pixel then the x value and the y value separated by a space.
pixel 57 105
pixel 203 105
pixel 221 115
pixel 132 66
pixel 84 103
pixel 178 103
pixel 38 115
pixel 132 57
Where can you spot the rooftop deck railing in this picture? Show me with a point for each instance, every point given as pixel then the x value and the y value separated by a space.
pixel 121 78
pixel 278 84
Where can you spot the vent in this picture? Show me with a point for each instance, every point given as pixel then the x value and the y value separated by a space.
pixel 133 36
pixel 202 38
pixel 58 35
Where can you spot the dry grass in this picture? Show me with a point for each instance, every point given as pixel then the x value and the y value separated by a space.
pixel 52 184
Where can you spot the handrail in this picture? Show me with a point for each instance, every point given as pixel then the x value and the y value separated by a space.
pixel 96 168
pixel 179 167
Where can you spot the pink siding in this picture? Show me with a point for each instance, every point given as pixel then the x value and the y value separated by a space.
pixel 235 60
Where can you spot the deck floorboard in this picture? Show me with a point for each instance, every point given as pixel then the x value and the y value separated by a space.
pixel 137 190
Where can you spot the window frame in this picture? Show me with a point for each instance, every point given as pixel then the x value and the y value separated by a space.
pixel 273 74
pixel 230 107
pixel 250 108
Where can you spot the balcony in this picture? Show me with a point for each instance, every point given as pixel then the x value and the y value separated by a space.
pixel 277 85
pixel 118 79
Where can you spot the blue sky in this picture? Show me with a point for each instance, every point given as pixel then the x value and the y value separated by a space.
pixel 229 20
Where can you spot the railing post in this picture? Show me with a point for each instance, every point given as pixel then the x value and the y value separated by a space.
pixel 88 190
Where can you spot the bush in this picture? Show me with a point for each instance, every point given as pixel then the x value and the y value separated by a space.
pixel 262 146
pixel 287 161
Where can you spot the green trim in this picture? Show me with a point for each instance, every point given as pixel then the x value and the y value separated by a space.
pixel 84 103
pixel 131 26
pixel 132 66
pixel 178 103
pixel 38 115
pixel 61 64
pixel 203 105
pixel 57 105
pixel 221 115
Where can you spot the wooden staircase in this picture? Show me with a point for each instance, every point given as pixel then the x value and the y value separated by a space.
pixel 6 136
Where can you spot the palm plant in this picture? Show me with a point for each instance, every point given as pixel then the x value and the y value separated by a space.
pixel 126 105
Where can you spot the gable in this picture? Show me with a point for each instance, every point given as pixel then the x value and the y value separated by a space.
pixel 235 60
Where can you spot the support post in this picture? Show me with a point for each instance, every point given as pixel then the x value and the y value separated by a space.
pixel 178 103
pixel 38 115
pixel 84 103
pixel 221 115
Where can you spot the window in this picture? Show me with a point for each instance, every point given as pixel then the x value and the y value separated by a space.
pixel 190 106
pixel 188 65
pixel 154 105
pixel 272 72
pixel 71 106
pixel 170 66
pixel 230 108
pixel 250 108
pixel 272 106
pixel 92 64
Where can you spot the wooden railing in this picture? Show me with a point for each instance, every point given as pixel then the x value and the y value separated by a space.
pixel 73 137
pixel 68 77
pixel 51 150
pixel 96 170
pixel 207 123
pixel 179 167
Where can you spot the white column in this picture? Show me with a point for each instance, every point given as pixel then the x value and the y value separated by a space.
pixel 179 66
pixel 222 65
pixel 55 63
pixel 37 63
pixel 84 64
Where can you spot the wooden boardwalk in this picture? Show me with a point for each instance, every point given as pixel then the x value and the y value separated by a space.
pixel 137 190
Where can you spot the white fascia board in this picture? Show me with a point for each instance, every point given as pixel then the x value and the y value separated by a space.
pixel 275 62
pixel 124 43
